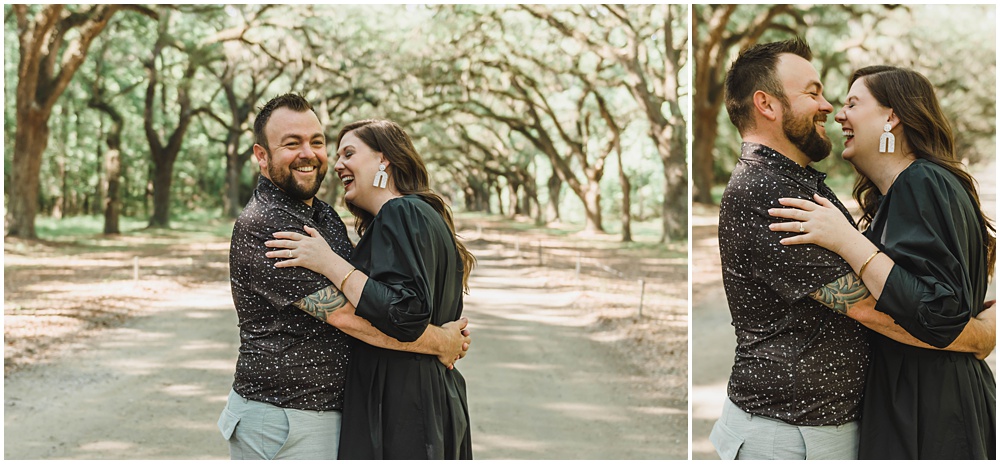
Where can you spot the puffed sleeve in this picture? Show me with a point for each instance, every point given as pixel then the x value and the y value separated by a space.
pixel 397 297
pixel 930 225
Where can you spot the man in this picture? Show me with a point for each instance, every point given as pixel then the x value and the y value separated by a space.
pixel 798 376
pixel 288 389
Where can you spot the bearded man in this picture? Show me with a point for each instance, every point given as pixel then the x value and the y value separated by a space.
pixel 799 371
pixel 288 390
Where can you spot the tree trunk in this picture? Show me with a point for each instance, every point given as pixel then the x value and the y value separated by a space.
pixel 626 196
pixel 31 138
pixel 702 160
pixel 112 165
pixel 163 177
pixel 513 199
pixel 554 186
pixel 99 162
pixel 675 191
pixel 112 198
pixel 231 198
pixel 592 207
pixel 164 155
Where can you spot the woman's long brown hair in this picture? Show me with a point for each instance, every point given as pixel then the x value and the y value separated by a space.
pixel 928 134
pixel 409 175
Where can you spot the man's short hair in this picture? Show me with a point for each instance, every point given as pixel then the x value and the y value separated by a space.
pixel 292 101
pixel 753 70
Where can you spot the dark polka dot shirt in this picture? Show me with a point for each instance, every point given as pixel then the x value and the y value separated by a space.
pixel 287 357
pixel 796 360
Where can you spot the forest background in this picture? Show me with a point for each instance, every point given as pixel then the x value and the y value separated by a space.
pixel 144 112
pixel 561 114
pixel 953 45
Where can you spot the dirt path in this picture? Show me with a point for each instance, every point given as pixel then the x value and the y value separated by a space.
pixel 546 376
pixel 713 341
pixel 545 389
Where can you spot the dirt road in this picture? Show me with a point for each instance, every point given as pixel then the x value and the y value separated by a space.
pixel 542 385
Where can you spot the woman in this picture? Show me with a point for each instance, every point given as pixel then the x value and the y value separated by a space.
pixel 927 255
pixel 408 270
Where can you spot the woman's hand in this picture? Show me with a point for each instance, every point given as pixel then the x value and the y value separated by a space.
pixel 311 252
pixel 820 223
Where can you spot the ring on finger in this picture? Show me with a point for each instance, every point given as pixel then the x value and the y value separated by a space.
pixel 289 253
pixel 802 228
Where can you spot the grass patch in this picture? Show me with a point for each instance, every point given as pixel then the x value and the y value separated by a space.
pixel 84 229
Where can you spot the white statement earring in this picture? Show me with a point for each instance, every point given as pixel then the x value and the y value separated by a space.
pixel 380 177
pixel 887 143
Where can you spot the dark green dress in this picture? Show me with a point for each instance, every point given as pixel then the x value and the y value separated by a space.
pixel 920 403
pixel 400 405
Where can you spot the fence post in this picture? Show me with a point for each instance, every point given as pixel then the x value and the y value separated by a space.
pixel 135 268
pixel 579 257
pixel 642 294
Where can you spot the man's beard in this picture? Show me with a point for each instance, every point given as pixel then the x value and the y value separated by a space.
pixel 803 134
pixel 283 178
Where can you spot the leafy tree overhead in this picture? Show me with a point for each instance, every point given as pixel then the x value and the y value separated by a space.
pixel 550 113
pixel 954 46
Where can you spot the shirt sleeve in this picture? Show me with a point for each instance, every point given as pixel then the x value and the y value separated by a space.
pixel 928 291
pixel 396 298
pixel 792 271
pixel 279 286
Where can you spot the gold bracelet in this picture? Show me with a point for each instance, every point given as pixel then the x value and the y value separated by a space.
pixel 342 282
pixel 863 266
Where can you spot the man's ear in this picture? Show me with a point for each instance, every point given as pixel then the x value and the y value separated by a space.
pixel 261 154
pixel 766 105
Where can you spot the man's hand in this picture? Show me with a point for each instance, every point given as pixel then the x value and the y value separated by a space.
pixel 988 317
pixel 455 343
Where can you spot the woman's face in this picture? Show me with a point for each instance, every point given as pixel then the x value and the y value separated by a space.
pixel 357 164
pixel 863 120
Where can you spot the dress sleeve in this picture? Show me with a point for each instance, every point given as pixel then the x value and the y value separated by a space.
pixel 928 291
pixel 396 297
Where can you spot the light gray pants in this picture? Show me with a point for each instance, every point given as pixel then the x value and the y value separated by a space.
pixel 257 430
pixel 741 435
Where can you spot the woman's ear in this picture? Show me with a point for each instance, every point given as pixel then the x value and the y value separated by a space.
pixel 893 119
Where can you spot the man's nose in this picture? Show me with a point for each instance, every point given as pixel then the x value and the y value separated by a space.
pixel 825 106
pixel 307 151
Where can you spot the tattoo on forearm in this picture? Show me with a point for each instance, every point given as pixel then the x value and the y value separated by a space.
pixel 842 293
pixel 322 303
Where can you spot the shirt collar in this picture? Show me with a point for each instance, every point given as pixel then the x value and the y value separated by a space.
pixel 271 193
pixel 770 157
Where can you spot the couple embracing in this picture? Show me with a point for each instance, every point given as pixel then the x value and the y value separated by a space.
pixel 852 344
pixel 346 352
